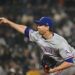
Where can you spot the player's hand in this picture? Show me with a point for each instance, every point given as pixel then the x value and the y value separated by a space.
pixel 3 20
pixel 52 70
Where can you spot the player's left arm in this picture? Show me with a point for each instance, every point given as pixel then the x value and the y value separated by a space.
pixel 63 66
pixel 66 54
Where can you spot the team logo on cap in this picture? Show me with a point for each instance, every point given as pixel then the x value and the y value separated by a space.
pixel 47 24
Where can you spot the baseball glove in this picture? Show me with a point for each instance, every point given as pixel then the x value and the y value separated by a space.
pixel 48 62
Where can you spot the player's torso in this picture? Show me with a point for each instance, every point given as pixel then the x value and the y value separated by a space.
pixel 48 46
pixel 56 46
pixel 51 46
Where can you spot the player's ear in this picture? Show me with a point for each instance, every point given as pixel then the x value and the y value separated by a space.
pixel 49 29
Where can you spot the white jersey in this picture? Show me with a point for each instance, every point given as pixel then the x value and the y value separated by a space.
pixel 57 46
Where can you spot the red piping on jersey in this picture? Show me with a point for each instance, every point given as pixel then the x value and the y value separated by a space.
pixel 70 57
pixel 59 72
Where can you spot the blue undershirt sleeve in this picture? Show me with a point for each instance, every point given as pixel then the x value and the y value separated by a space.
pixel 26 32
pixel 69 60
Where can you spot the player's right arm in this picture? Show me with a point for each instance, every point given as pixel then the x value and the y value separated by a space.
pixel 20 28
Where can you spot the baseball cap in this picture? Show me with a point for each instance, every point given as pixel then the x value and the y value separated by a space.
pixel 45 21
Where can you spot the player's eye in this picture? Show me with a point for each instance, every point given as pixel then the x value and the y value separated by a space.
pixel 40 25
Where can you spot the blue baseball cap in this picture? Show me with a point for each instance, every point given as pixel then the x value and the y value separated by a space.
pixel 45 21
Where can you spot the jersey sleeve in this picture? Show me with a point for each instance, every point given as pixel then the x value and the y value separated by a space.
pixel 65 52
pixel 31 34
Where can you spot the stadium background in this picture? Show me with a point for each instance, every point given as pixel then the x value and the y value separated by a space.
pixel 18 56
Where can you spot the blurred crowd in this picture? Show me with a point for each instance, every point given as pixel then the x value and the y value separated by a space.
pixel 19 56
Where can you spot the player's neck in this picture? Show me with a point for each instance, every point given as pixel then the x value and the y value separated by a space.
pixel 47 35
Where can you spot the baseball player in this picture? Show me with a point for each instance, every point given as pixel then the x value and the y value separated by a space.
pixel 58 55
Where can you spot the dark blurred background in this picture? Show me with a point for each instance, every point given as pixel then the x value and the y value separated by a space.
pixel 18 56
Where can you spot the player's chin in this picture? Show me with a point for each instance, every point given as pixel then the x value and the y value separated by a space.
pixel 41 33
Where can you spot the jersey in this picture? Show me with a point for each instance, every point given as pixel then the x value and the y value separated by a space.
pixel 57 46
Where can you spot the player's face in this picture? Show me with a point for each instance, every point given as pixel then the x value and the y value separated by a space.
pixel 42 29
